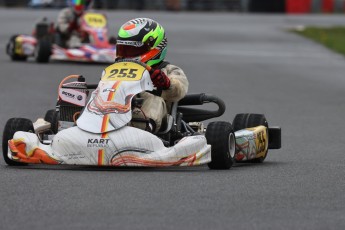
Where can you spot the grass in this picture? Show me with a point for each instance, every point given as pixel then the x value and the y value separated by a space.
pixel 331 37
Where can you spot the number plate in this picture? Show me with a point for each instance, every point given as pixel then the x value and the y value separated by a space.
pixel 123 71
pixel 95 20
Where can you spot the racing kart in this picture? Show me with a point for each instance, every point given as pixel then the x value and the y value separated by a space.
pixel 98 131
pixel 46 43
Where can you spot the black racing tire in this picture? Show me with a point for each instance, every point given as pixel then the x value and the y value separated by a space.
pixel 43 51
pixel 220 135
pixel 10 50
pixel 52 116
pixel 13 125
pixel 250 120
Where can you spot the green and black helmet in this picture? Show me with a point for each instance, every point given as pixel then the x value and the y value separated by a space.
pixel 142 39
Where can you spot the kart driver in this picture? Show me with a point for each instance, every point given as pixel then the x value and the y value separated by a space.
pixel 68 28
pixel 144 40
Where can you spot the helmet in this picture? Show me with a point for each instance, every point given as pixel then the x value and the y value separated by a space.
pixel 80 5
pixel 142 39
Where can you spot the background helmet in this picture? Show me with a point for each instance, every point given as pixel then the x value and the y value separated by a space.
pixel 142 39
pixel 79 6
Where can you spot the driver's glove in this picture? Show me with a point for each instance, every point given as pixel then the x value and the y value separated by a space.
pixel 160 79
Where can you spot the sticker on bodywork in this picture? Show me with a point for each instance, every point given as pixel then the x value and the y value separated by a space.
pixel 123 71
pixel 261 140
pixel 95 20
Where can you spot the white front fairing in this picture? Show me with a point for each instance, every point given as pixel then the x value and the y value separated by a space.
pixel 127 146
pixel 109 107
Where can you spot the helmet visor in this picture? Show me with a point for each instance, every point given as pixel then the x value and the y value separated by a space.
pixel 128 51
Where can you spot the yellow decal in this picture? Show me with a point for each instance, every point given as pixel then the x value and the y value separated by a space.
pixel 261 140
pixel 18 46
pixel 123 71
pixel 95 20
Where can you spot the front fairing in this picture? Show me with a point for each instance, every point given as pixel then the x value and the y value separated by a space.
pixel 85 53
pixel 109 107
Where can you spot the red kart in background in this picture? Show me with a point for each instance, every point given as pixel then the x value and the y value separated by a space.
pixel 44 44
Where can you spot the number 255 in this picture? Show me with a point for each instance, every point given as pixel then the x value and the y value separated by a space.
pixel 123 73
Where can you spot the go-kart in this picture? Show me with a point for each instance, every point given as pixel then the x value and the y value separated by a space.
pixel 46 43
pixel 99 131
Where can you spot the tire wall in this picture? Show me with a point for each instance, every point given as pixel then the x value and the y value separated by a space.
pixel 266 6
pixel 315 6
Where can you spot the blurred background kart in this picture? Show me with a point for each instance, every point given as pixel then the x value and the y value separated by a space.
pixel 46 43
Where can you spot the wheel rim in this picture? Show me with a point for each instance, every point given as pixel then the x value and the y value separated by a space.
pixel 232 147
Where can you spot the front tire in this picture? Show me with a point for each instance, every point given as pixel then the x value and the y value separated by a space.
pixel 10 50
pixel 43 51
pixel 220 135
pixel 12 126
pixel 250 120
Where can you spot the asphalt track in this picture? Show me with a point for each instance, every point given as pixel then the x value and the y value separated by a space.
pixel 250 61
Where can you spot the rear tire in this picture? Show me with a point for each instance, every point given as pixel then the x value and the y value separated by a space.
pixel 12 126
pixel 43 51
pixel 52 116
pixel 220 135
pixel 250 120
pixel 10 50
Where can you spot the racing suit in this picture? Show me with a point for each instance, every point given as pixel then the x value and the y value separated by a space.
pixel 156 107
pixel 68 28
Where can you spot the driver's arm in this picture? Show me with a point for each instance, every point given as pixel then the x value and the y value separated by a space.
pixel 178 84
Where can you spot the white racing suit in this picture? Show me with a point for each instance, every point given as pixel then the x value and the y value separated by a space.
pixel 68 38
pixel 156 107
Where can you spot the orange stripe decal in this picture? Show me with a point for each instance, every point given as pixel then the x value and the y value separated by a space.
pixel 111 96
pixel 112 93
pixel 100 157
pixel 105 122
pixel 125 160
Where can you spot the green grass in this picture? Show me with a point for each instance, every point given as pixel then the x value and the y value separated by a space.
pixel 331 37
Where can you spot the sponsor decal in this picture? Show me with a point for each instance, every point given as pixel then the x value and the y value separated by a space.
pixel 70 95
pixel 108 90
pixel 130 43
pixel 261 143
pixel 98 143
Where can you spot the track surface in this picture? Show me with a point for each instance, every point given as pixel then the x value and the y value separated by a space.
pixel 255 66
